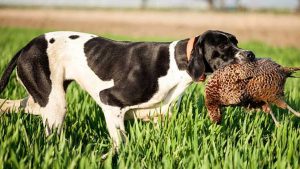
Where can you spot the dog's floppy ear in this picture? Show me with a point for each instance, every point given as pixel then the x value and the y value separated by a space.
pixel 196 65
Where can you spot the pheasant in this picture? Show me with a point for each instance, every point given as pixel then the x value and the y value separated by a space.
pixel 253 85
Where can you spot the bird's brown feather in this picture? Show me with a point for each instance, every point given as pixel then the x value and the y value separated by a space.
pixel 254 85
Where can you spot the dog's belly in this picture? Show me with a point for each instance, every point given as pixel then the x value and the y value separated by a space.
pixel 162 108
pixel 147 113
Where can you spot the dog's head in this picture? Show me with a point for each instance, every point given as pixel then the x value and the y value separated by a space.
pixel 215 49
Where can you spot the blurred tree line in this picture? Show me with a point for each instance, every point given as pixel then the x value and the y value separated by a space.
pixel 218 4
pixel 212 4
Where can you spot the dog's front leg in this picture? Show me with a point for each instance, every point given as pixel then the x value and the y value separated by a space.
pixel 114 118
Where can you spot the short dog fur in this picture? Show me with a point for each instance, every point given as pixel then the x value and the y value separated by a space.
pixel 126 79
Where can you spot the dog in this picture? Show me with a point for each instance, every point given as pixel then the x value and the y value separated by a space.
pixel 126 79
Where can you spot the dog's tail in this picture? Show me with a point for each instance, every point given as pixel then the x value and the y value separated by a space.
pixel 8 71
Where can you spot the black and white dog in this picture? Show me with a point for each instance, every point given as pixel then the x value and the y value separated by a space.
pixel 126 79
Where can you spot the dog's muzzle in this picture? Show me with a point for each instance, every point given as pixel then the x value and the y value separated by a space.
pixel 244 56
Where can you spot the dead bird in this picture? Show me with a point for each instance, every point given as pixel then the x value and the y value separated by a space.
pixel 253 85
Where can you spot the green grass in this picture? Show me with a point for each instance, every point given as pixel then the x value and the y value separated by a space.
pixel 187 140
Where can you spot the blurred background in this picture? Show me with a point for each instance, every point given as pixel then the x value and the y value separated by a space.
pixel 275 22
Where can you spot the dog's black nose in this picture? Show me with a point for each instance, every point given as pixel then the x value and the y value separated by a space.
pixel 250 55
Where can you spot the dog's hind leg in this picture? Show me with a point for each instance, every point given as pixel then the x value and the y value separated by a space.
pixel 26 105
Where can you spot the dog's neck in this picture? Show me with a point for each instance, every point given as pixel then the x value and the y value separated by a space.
pixel 181 54
pixel 189 47
pixel 183 51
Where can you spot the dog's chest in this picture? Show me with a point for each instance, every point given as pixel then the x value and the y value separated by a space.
pixel 174 80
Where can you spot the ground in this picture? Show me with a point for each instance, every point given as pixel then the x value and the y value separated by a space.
pixel 281 29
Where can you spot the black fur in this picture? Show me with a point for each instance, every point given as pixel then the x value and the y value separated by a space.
pixel 74 36
pixel 52 40
pixel 219 49
pixel 180 54
pixel 196 66
pixel 134 68
pixel 33 70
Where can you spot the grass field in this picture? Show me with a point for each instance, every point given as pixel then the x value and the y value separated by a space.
pixel 188 140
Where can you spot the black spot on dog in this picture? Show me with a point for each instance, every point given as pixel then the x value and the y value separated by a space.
pixel 133 66
pixel 33 70
pixel 52 40
pixel 74 36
